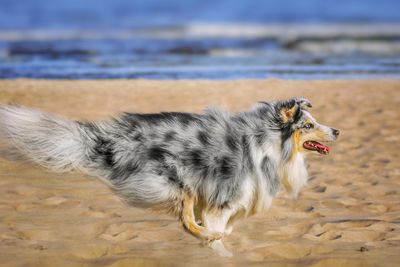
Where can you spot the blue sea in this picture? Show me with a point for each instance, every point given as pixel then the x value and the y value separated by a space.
pixel 188 39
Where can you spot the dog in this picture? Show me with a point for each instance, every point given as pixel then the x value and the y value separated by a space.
pixel 209 169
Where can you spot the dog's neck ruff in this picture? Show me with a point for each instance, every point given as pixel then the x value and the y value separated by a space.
pixel 294 174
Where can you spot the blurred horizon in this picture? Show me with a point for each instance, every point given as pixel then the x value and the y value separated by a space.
pixel 155 39
pixel 92 14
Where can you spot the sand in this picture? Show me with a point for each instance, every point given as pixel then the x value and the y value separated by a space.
pixel 348 215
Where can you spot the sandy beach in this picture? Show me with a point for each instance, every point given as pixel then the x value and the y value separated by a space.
pixel 348 215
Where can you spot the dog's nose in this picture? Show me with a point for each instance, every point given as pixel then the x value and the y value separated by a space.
pixel 335 132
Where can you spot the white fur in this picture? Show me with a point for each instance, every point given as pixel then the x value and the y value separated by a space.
pixel 296 174
pixel 216 221
pixel 50 141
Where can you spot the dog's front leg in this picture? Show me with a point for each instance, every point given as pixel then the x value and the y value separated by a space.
pixel 189 221
pixel 217 221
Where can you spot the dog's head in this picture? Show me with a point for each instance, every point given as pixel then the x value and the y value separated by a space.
pixel 298 124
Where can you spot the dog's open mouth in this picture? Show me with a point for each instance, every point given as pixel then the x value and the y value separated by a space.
pixel 315 146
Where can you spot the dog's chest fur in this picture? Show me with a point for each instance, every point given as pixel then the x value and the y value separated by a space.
pixel 256 196
pixel 294 174
pixel 256 187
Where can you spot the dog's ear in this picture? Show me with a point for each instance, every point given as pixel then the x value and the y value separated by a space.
pixel 288 110
pixel 303 102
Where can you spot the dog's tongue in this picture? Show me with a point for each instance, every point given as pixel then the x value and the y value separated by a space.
pixel 313 145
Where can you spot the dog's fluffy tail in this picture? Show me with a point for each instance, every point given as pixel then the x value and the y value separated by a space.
pixel 48 140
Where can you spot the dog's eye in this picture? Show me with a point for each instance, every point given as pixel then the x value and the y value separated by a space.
pixel 309 126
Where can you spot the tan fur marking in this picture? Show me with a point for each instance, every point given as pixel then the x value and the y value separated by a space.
pixel 255 203
pixel 286 183
pixel 297 146
pixel 189 221
pixel 297 142
pixel 320 135
pixel 287 113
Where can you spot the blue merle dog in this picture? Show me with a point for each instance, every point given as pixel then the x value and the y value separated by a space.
pixel 207 169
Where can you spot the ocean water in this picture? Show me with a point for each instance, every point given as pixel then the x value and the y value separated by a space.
pixel 292 39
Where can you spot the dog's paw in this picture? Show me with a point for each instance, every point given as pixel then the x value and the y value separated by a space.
pixel 220 249
pixel 225 253
pixel 215 236
pixel 212 236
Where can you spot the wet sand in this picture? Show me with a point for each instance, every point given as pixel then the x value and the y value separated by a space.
pixel 348 215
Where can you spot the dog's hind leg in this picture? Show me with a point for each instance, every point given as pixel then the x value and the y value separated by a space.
pixel 189 221
pixel 217 221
